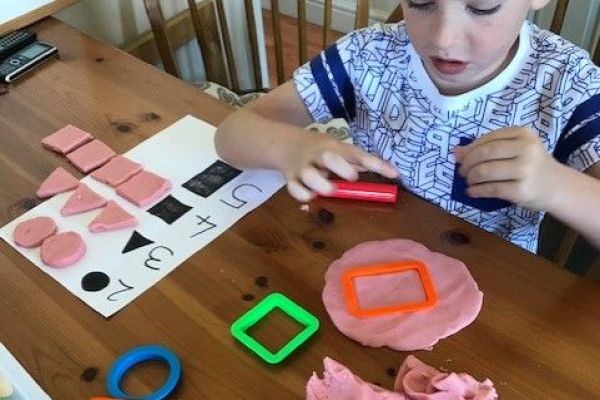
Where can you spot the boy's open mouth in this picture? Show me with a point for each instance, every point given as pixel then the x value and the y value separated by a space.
pixel 449 67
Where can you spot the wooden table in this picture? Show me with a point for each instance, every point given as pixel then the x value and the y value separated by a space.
pixel 32 12
pixel 537 337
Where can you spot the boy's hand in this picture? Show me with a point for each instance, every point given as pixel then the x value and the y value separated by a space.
pixel 309 161
pixel 511 164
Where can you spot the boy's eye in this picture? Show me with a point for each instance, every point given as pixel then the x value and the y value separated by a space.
pixel 420 6
pixel 489 11
pixel 427 5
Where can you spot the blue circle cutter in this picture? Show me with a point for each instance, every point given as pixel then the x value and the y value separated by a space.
pixel 139 355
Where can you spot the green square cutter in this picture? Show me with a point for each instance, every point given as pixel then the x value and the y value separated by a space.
pixel 275 300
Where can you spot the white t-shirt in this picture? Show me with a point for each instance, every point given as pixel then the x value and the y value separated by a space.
pixel 376 81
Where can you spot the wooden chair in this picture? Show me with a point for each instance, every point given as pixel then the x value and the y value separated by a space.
pixel 212 32
pixel 570 237
pixel 207 35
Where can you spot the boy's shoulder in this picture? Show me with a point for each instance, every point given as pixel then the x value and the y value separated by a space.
pixel 381 30
pixel 379 44
pixel 555 51
pixel 378 35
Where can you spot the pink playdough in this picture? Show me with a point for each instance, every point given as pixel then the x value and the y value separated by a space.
pixel 144 188
pixel 415 381
pixel 459 297
pixel 58 181
pixel 33 232
pixel 66 139
pixel 62 250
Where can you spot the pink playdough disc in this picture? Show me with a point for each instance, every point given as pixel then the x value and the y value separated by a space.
pixel 33 232
pixel 63 249
pixel 459 297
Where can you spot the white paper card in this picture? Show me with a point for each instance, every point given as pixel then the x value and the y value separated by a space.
pixel 106 278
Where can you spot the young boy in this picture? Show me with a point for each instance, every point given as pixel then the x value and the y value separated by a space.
pixel 472 107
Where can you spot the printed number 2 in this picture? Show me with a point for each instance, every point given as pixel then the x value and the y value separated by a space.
pixel 111 297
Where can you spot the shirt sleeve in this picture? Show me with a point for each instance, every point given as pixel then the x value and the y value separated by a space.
pixel 579 144
pixel 326 84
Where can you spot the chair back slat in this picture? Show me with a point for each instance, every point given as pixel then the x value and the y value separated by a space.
pixel 396 16
pixel 362 14
pixel 559 16
pixel 157 24
pixel 231 66
pixel 302 41
pixel 208 37
pixel 253 37
pixel 327 21
pixel 278 41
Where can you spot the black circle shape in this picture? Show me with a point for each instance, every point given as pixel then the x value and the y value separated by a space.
pixel 95 281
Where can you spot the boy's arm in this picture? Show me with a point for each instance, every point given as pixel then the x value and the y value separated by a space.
pixel 258 135
pixel 270 134
pixel 576 201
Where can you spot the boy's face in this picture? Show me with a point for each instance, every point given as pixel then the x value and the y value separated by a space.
pixel 465 43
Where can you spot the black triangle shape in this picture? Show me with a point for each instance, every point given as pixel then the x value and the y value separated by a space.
pixel 135 242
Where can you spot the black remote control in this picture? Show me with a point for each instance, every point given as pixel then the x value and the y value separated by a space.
pixel 14 41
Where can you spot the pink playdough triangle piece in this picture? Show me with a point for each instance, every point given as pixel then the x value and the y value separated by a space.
pixel 59 181
pixel 83 199
pixel 112 218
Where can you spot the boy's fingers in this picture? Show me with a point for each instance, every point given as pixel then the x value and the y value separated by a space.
pixel 314 181
pixel 299 192
pixel 323 172
pixel 496 150
pixel 359 168
pixel 339 166
pixel 372 163
pixel 501 134
pixel 376 164
pixel 493 171
pixel 502 190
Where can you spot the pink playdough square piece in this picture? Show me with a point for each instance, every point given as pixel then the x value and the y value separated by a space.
pixel 144 188
pixel 91 156
pixel 66 139
pixel 116 171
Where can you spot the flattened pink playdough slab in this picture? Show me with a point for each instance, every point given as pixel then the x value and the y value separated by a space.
pixel 415 381
pixel 144 188
pixel 66 139
pixel 33 232
pixel 116 171
pixel 91 156
pixel 112 218
pixel 63 249
pixel 459 297
pixel 58 181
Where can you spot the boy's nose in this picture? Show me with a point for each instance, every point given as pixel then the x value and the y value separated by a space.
pixel 446 34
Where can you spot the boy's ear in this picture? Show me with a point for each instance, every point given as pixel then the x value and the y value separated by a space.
pixel 539 4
